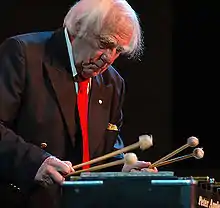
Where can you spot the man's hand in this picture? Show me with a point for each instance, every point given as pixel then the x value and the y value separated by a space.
pixel 53 170
pixel 139 166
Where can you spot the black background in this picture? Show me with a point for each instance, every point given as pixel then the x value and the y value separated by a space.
pixel 172 93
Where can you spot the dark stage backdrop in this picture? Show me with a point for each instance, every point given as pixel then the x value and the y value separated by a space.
pixel 195 87
pixel 169 89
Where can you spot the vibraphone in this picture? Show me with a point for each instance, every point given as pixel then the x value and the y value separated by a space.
pixel 139 189
pixel 134 189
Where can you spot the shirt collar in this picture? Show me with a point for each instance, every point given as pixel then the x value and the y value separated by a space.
pixel 70 52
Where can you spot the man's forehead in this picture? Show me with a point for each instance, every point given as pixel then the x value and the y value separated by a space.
pixel 115 38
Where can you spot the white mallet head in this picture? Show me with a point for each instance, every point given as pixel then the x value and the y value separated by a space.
pixel 198 153
pixel 130 158
pixel 145 141
pixel 192 141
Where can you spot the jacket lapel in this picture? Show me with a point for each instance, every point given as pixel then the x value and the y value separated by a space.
pixel 57 65
pixel 64 89
pixel 98 112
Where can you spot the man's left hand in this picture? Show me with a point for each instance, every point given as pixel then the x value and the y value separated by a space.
pixel 139 166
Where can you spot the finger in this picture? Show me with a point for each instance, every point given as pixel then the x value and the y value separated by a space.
pixel 147 170
pixel 155 169
pixel 70 165
pixel 137 165
pixel 59 165
pixel 151 170
pixel 134 170
pixel 140 164
pixel 55 175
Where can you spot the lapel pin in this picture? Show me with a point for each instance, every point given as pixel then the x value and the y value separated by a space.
pixel 100 101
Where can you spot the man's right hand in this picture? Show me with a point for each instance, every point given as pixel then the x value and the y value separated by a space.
pixel 52 171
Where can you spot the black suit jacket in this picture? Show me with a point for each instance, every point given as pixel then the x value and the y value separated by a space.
pixel 38 105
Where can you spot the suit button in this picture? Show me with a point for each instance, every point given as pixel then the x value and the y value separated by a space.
pixel 43 145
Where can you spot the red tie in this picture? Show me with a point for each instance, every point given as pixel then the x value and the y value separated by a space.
pixel 83 115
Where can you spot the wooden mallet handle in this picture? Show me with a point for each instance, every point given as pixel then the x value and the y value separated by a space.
pixel 191 142
pixel 144 142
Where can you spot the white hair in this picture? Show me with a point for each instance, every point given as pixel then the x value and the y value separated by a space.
pixel 109 16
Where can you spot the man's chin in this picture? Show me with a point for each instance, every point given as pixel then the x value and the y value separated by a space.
pixel 87 75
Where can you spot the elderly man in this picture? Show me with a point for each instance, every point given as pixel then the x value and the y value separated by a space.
pixel 44 115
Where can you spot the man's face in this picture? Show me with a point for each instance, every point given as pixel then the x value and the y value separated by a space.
pixel 93 54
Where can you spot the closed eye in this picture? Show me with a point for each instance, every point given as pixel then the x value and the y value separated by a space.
pixel 106 44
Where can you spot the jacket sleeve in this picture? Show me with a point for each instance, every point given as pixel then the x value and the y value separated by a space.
pixel 19 161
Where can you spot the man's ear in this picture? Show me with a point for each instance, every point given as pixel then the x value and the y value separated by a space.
pixel 77 29
pixel 74 33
